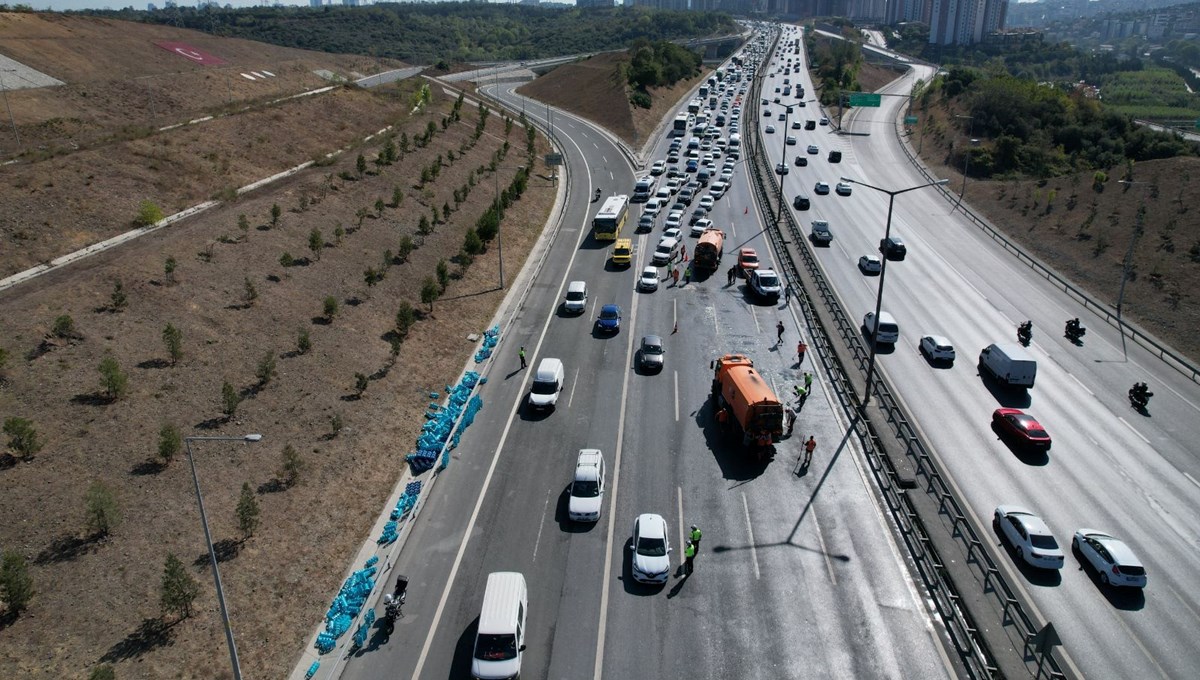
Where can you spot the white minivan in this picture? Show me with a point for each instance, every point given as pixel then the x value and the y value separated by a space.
pixel 576 299
pixel 547 383
pixel 667 251
pixel 885 329
pixel 501 637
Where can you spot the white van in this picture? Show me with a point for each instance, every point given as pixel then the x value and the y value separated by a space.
pixel 576 299
pixel 667 250
pixel 885 330
pixel 1009 364
pixel 501 637
pixel 587 488
pixel 547 383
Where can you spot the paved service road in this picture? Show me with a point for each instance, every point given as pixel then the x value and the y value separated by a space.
pixel 797 575
pixel 1110 468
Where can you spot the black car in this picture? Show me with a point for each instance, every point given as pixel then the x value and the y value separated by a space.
pixel 801 202
pixel 801 161
pixel 893 248
pixel 835 156
pixel 810 125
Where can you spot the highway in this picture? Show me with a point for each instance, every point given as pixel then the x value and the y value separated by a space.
pixel 1110 467
pixel 798 576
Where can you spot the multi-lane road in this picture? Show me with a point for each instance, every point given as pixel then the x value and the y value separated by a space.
pixel 1110 467
pixel 799 575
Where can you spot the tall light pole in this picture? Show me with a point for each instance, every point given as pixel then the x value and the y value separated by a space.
pixel 887 231
pixel 8 106
pixel 967 159
pixel 1127 265
pixel 500 241
pixel 212 553
pixel 783 159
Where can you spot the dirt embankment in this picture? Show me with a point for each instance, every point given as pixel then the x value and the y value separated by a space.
pixel 239 311
pixel 595 89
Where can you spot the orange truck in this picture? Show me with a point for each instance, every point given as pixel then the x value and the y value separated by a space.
pixel 709 249
pixel 746 403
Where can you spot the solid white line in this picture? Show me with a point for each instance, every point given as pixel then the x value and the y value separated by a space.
pixel 601 627
pixel 1132 429
pixel 541 524
pixel 571 397
pixel 824 550
pixel 750 531
pixel 674 313
pixel 487 480
pixel 676 374
pixel 1077 382
pixel 1191 479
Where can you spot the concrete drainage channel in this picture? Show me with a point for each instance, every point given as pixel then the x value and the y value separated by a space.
pixel 1007 651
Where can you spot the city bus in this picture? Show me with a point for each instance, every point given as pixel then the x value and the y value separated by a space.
pixel 608 222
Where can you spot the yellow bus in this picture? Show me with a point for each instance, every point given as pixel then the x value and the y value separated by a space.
pixel 608 222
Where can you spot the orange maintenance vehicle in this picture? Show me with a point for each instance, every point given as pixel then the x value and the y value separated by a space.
pixel 709 250
pixel 746 404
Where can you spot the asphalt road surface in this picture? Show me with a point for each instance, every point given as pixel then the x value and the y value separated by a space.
pixel 798 575
pixel 1111 468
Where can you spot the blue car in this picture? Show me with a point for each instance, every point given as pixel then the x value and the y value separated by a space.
pixel 610 319
pixel 693 165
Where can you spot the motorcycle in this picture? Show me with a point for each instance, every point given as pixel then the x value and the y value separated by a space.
pixel 1025 333
pixel 1139 396
pixel 394 602
pixel 1075 332
pixel 596 196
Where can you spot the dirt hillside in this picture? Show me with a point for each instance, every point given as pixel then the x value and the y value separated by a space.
pixel 594 89
pixel 240 308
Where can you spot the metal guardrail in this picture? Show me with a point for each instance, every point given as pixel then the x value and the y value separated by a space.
pixel 959 625
pixel 1164 354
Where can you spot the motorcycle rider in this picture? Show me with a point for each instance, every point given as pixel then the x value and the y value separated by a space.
pixel 1025 330
pixel 1140 394
pixel 1074 328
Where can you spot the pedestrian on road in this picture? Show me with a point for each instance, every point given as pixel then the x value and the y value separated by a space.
pixel 778 332
pixel 732 274
pixel 689 554
pixel 674 276
pixel 808 381
pixel 801 349
pixel 683 252
pixel 522 355
pixel 787 294
pixel 801 397
pixel 791 418
pixel 687 274
pixel 723 420
pixel 695 536
pixel 809 447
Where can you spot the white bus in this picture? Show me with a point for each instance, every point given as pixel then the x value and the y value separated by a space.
pixel 681 124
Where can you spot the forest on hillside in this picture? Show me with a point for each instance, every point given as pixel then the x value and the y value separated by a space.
pixel 428 33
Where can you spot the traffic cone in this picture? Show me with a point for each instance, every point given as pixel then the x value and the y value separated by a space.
pixel 746 211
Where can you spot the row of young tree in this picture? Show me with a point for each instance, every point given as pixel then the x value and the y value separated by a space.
pixel 658 64
pixel 429 33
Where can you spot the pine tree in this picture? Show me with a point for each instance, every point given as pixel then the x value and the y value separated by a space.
pixel 247 511
pixel 16 584
pixel 179 589
pixel 173 339
pixel 103 509
pixel 170 442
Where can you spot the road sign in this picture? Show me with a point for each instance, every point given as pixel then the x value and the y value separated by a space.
pixel 910 120
pixel 554 159
pixel 864 99
pixel 1198 123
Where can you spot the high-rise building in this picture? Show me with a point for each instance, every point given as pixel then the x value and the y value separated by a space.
pixel 965 22
pixel 594 3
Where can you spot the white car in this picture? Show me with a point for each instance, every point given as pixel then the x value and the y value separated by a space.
pixel 812 148
pixel 937 348
pixel 824 120
pixel 1111 558
pixel 652 207
pixel 650 549
pixel 587 487
pixel 870 264
pixel 700 225
pixel 717 189
pixel 726 177
pixel 790 141
pixel 674 219
pixel 842 188
pixel 658 168
pixel 1029 536
pixel 673 184
pixel 770 129
pixel 672 232
pixel 663 193
pixel 707 202
pixel 648 281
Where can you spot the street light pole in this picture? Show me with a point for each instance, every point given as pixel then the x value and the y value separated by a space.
pixel 1128 263
pixel 967 159
pixel 212 553
pixel 887 232
pixel 783 160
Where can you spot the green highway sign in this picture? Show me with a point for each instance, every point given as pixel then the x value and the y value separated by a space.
pixel 864 99
pixel 1198 123
pixel 910 120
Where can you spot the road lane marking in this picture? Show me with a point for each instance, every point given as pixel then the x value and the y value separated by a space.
pixel 1077 382
pixel 487 479
pixel 750 531
pixel 1132 429
pixel 1191 479
pixel 541 524
pixel 601 628
pixel 676 374
pixel 571 397
pixel 824 550
pixel 679 507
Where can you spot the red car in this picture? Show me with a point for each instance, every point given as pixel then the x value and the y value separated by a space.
pixel 747 260
pixel 1021 428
